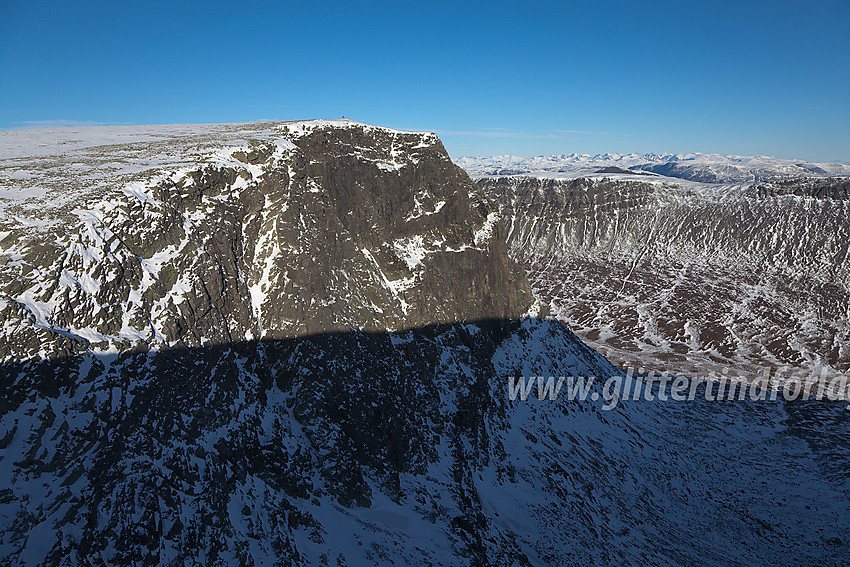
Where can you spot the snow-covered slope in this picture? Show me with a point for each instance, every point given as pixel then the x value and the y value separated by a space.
pixel 704 168
pixel 403 447
pixel 290 344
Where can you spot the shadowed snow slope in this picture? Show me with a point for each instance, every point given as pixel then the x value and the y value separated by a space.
pixel 356 447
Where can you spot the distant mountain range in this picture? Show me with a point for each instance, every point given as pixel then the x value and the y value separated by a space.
pixel 704 168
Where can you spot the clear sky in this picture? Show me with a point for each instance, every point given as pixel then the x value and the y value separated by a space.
pixel 525 78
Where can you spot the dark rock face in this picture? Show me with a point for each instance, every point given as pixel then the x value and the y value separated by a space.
pixel 836 189
pixel 320 228
pixel 427 207
pixel 614 169
pixel 690 279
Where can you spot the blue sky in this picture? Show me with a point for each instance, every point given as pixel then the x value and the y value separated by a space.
pixel 524 78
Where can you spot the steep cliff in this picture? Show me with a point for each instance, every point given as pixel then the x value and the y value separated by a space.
pixel 269 230
pixel 690 278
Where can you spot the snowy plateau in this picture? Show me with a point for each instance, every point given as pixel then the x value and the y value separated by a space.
pixel 290 343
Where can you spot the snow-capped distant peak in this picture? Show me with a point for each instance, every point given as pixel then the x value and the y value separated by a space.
pixel 707 168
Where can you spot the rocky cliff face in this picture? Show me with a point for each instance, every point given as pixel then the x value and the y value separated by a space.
pixel 691 278
pixel 296 229
pixel 289 344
